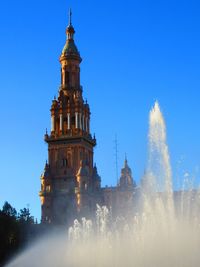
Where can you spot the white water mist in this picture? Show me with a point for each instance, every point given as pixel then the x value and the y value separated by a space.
pixel 157 183
pixel 165 233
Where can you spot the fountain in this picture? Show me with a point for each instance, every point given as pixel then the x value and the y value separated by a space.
pixel 164 233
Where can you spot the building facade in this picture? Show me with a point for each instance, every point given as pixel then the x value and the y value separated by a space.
pixel 70 184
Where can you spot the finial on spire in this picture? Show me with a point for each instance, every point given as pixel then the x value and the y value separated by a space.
pixel 70 29
pixel 125 162
pixel 70 17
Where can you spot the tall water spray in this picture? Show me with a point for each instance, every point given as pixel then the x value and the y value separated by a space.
pixel 155 237
pixel 158 166
pixel 157 182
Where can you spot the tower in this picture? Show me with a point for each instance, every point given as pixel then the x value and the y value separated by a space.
pixel 126 180
pixel 126 191
pixel 70 183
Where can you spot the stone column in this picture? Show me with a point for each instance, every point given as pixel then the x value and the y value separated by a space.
pixel 61 122
pixel 53 123
pixel 80 120
pixel 76 120
pixel 68 121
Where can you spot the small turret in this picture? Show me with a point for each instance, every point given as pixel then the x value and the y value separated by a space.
pixel 45 174
pixel 96 178
pixel 46 194
pixel 126 179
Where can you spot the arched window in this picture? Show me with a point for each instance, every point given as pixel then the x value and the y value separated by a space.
pixel 64 162
pixel 67 77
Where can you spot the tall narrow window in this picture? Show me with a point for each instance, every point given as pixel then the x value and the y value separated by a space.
pixel 67 77
pixel 64 162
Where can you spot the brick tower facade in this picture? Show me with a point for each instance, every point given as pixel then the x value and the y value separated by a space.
pixel 70 184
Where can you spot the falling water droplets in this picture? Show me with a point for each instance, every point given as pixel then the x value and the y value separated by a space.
pixel 163 233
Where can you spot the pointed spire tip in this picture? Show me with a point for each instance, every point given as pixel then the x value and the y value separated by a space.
pixel 70 16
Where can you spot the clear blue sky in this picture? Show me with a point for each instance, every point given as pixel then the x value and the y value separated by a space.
pixel 134 52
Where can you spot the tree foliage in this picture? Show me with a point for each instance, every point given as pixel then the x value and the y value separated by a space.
pixel 16 229
pixel 9 210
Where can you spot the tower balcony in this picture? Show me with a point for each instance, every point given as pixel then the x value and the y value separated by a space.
pixel 70 88
pixel 68 137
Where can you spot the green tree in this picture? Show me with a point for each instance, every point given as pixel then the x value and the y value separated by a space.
pixel 9 210
pixel 9 232
pixel 16 230
pixel 25 216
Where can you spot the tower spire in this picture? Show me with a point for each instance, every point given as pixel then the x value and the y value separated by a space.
pixel 70 49
pixel 70 29
pixel 70 17
pixel 70 75
pixel 125 161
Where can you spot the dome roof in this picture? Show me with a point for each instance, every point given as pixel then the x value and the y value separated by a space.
pixel 70 48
